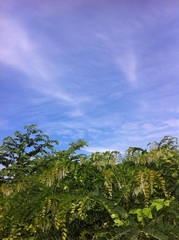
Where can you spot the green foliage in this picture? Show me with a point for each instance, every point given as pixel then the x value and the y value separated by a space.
pixel 66 195
pixel 17 152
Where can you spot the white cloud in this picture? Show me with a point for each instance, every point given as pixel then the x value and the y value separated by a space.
pixel 19 51
pixel 3 124
pixel 98 149
pixel 172 123
pixel 116 136
pixel 16 49
pixel 127 63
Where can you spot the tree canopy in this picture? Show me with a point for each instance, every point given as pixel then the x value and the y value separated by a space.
pixel 16 153
pixel 67 195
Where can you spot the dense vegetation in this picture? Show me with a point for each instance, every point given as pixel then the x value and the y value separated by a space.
pixel 48 194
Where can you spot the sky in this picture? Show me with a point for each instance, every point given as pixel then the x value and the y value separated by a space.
pixel 106 71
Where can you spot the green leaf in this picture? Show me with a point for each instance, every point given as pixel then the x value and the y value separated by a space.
pixel 118 222
pixel 148 213
pixel 158 203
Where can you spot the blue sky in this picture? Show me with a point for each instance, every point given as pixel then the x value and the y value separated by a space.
pixel 104 71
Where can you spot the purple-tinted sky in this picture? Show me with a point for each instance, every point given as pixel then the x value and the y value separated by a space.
pixel 105 71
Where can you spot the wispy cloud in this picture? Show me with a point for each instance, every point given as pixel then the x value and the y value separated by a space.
pixel 3 124
pixel 173 123
pixel 16 49
pixel 116 135
pixel 120 44
pixel 128 65
pixel 19 51
pixel 98 149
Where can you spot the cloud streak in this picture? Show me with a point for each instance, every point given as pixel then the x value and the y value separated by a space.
pixel 128 65
pixel 19 51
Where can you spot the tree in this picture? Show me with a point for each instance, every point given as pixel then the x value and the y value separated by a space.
pixel 72 196
pixel 16 153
